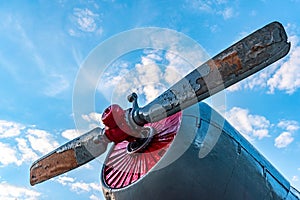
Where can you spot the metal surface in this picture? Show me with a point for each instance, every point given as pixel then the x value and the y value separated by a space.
pixel 69 156
pixel 233 169
pixel 139 144
pixel 251 54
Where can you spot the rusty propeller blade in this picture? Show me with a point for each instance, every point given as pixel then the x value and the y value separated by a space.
pixel 244 58
pixel 69 156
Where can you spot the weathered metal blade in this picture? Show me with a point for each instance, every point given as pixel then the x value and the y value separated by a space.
pixel 69 156
pixel 244 58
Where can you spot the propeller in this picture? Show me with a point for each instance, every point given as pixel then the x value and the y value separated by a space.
pixel 242 59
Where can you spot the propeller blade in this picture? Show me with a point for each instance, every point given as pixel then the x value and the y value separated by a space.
pixel 242 59
pixel 69 156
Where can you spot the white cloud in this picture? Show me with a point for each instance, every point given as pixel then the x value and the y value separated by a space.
pixel 283 140
pixel 258 80
pixel 287 77
pixel 289 125
pixel 64 180
pixel 86 118
pixel 235 87
pixel 85 20
pixel 26 153
pixel 251 126
pixel 11 192
pixel 28 143
pixel 95 186
pixel 80 187
pixel 70 134
pixel 10 129
pixel 148 78
pixel 41 141
pixel 8 155
pixel 94 118
pixel 94 197
pixel 286 137
pixel 261 133
pixel 77 186
pixel 144 79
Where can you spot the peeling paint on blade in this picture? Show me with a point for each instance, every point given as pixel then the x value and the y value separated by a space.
pixel 69 156
pixel 52 165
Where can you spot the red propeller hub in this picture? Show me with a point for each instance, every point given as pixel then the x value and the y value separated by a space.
pixel 116 127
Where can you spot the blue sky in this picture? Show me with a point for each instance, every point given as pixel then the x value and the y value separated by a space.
pixel 44 43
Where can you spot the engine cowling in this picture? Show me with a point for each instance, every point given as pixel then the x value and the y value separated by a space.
pixel 196 154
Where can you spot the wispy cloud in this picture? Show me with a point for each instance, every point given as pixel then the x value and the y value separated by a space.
pixel 56 84
pixel 31 61
pixel 22 39
pixel 85 21
pixel 249 125
pixel 214 7
pixel 11 192
pixel 77 186
pixel 227 13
